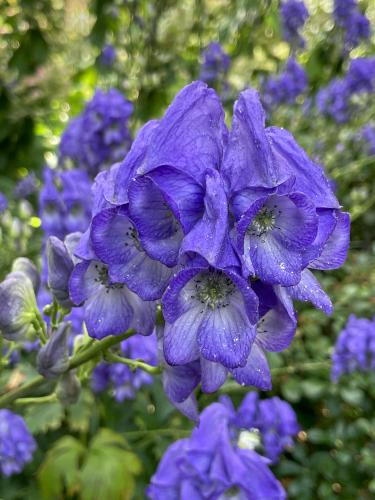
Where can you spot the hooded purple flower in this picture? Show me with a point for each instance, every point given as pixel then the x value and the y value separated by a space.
pixel 355 348
pixel 108 55
pixel 16 443
pixel 293 16
pixel 287 86
pixel 273 418
pixel 210 465
pixel 26 186
pixel 215 64
pixel 3 202
pixel 360 76
pixel 110 308
pixel 356 25
pixel 100 136
pixel 333 101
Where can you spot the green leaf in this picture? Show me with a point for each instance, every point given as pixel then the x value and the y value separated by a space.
pixel 41 418
pixel 59 473
pixel 116 466
pixel 80 413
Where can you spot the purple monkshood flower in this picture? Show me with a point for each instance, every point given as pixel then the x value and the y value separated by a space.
pixel 99 136
pixel 355 348
pixel 124 381
pixel 16 443
pixel 26 186
pixel 360 76
pixel 354 23
pixel 287 86
pixel 368 135
pixel 224 226
pixel 210 464
pixel 3 202
pixel 293 16
pixel 333 100
pixel 108 55
pixel 273 418
pixel 65 202
pixel 215 63
pixel 110 308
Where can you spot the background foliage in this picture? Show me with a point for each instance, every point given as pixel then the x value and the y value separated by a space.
pixel 49 67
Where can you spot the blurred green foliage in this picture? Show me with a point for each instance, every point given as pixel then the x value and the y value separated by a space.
pixel 49 67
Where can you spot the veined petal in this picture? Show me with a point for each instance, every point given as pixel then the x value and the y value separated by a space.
pixel 180 381
pixel 159 231
pixel 192 134
pixel 225 335
pixel 310 178
pixel 276 329
pixel 326 223
pixel 213 375
pixel 180 337
pixel 308 289
pixel 256 371
pixel 248 158
pixel 336 248
pixel 82 282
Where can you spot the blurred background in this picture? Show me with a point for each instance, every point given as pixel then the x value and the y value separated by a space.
pixel 54 55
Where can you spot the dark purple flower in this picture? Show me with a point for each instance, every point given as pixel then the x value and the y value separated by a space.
pixel 51 206
pixel 287 86
pixel 109 308
pixel 3 202
pixel 26 186
pixel 360 76
pixel 215 64
pixel 16 443
pixel 333 101
pixel 76 196
pixel 293 16
pixel 108 55
pixel 210 465
pixel 100 136
pixel 354 349
pixel 354 23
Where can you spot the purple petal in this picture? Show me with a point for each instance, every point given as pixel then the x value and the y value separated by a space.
pixel 180 381
pixel 248 158
pixel 213 375
pixel 256 371
pixel 326 224
pixel 180 338
pixel 192 133
pixel 308 289
pixel 159 231
pixel 210 236
pixel 310 178
pixel 275 330
pixel 336 248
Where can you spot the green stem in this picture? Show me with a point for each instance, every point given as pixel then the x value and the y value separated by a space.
pixel 42 399
pixel 132 363
pixel 77 360
pixel 158 432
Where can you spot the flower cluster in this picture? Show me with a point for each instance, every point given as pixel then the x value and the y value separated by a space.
pixel 214 68
pixel 223 226
pixel 108 55
pixel 99 136
pixel 16 443
pixel 218 460
pixel 126 382
pixel 65 201
pixel 26 186
pixel 285 88
pixel 354 23
pixel 335 100
pixel 273 420
pixel 355 348
pixel 293 16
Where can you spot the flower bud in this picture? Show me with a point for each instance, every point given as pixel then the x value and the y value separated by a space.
pixel 24 265
pixel 60 267
pixel 53 358
pixel 68 389
pixel 17 305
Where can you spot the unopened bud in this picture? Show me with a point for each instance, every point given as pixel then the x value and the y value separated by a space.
pixel 24 265
pixel 53 358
